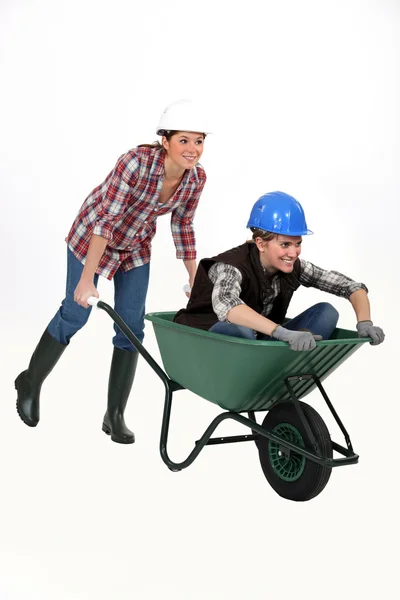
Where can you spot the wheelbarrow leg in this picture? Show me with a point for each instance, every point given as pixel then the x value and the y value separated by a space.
pixel 252 417
pixel 348 452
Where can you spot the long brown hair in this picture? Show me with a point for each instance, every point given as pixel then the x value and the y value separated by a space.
pixel 167 134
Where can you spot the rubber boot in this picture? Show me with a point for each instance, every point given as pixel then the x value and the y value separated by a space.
pixel 29 382
pixel 122 373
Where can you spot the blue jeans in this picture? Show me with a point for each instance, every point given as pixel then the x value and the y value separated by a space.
pixel 130 291
pixel 321 319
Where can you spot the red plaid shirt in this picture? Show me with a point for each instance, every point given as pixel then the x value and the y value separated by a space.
pixel 124 210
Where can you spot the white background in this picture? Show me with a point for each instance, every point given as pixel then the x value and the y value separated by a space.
pixel 304 99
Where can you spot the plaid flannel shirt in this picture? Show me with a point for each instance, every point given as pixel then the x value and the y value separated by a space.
pixel 124 210
pixel 227 286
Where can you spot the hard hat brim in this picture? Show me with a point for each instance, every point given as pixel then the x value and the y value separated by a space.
pixel 164 131
pixel 277 232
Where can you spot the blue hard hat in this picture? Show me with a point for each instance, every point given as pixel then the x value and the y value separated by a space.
pixel 279 213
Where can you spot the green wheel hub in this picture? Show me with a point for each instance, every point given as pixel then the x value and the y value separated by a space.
pixel 288 467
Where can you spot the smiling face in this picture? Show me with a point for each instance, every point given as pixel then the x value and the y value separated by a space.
pixel 280 253
pixel 184 148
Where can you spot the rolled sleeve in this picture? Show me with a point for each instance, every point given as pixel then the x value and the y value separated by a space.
pixel 116 193
pixel 332 282
pixel 182 226
pixel 104 230
pixel 227 289
pixel 354 286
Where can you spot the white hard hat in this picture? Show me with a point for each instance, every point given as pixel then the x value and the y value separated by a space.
pixel 182 115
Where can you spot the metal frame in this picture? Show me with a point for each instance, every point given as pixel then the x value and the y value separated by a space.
pixel 350 457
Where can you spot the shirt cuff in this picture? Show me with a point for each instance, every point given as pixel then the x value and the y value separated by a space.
pixel 104 231
pixel 222 314
pixel 354 287
pixel 186 254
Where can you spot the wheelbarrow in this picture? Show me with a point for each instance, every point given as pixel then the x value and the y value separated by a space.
pixel 251 376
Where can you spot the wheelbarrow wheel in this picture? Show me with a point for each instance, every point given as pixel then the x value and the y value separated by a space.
pixel 291 475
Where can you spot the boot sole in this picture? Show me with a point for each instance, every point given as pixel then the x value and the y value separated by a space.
pixel 21 414
pixel 116 439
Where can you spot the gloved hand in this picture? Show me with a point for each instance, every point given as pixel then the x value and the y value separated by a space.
pixel 298 340
pixel 368 329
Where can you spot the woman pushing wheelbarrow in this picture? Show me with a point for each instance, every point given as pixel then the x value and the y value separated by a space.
pixel 111 237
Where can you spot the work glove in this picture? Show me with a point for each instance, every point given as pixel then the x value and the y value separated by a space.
pixel 368 329
pixel 298 340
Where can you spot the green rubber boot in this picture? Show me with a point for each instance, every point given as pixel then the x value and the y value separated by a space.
pixel 29 382
pixel 122 373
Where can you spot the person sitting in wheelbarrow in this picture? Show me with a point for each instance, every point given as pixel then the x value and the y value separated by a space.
pixel 246 291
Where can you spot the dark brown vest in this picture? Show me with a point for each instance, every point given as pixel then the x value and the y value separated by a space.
pixel 255 287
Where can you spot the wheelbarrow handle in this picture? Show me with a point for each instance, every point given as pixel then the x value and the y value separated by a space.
pixel 93 301
pixel 99 304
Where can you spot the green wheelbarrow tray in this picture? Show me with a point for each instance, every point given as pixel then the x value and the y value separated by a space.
pixel 244 375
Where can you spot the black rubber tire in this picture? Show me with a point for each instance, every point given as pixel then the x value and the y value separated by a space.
pixel 314 477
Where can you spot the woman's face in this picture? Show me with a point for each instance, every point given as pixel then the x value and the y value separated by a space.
pixel 280 253
pixel 184 148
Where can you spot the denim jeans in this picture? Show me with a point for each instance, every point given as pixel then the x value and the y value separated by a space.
pixel 130 291
pixel 320 319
